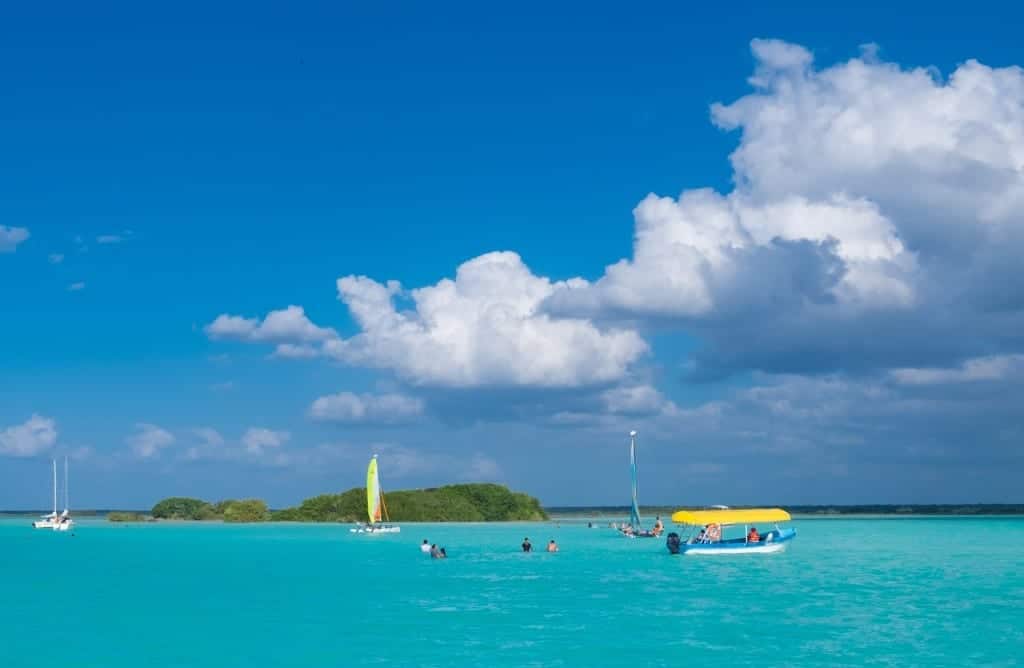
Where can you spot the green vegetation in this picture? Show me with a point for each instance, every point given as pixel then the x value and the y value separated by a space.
pixel 245 510
pixel 481 502
pixel 184 508
pixel 119 516
pixel 230 510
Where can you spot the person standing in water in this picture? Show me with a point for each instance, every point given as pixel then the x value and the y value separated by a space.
pixel 527 547
pixel 425 547
pixel 552 546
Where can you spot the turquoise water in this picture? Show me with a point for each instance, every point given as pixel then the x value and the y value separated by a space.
pixel 900 592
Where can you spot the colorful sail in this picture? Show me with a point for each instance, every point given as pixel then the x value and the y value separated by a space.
pixel 634 511
pixel 373 499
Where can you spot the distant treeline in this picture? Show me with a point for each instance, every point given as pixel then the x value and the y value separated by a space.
pixel 477 502
pixel 230 510
pixel 862 509
pixel 480 502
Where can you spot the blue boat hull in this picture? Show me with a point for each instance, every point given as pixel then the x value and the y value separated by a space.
pixel 773 541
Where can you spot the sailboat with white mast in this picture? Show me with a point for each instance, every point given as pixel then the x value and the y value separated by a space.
pixel 49 521
pixel 634 529
pixel 376 509
pixel 54 521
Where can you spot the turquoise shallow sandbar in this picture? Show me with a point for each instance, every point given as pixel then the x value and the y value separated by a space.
pixel 907 592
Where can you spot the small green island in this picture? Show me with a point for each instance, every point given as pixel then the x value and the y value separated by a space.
pixel 474 502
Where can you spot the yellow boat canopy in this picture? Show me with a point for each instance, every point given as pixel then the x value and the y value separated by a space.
pixel 741 516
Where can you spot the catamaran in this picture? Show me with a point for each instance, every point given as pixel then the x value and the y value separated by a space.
pixel 376 509
pixel 53 521
pixel 635 529
pixel 707 531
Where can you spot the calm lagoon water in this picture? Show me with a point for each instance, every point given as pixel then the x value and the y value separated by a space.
pixel 899 592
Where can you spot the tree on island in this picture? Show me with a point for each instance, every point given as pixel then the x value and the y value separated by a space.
pixel 245 510
pixel 184 508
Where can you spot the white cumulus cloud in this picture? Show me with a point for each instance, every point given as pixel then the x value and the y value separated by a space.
pixel 257 440
pixel 872 203
pixel 992 367
pixel 485 327
pixel 10 237
pixel 35 435
pixel 350 407
pixel 149 440
pixel 288 325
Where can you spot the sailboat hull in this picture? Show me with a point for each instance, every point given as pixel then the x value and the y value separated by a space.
pixel 376 529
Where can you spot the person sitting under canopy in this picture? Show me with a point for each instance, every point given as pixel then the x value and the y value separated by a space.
pixel 753 536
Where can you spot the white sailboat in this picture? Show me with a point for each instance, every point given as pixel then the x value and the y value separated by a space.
pixel 54 521
pixel 634 529
pixel 49 521
pixel 376 509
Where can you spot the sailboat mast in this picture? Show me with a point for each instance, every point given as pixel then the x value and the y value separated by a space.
pixel 634 511
pixel 54 486
pixel 66 501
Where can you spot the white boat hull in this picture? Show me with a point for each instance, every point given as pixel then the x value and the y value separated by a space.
pixel 372 530
pixel 771 548
pixel 53 525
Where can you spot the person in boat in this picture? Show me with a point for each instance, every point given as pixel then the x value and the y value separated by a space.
pixel 753 536
pixel 658 526
pixel 712 533
pixel 425 547
pixel 552 546
pixel 527 547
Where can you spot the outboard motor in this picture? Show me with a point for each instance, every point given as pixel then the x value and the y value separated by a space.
pixel 673 542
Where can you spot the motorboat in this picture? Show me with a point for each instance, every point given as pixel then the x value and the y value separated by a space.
pixel 718 531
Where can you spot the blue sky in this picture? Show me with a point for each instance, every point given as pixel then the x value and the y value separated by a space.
pixel 820 305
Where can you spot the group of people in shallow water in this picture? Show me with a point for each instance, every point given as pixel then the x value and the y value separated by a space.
pixel 431 548
pixel 527 546
pixel 711 533
pixel 426 547
pixel 630 530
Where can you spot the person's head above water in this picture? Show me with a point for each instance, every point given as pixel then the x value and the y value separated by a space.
pixel 425 541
